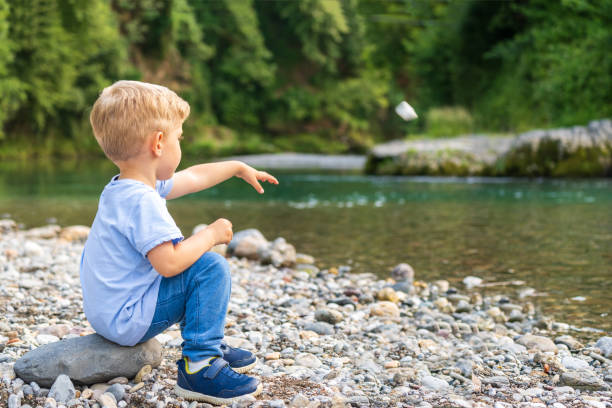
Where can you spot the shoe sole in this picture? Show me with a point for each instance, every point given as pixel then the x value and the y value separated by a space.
pixel 196 396
pixel 246 368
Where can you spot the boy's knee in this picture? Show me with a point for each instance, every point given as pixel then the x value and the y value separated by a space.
pixel 212 261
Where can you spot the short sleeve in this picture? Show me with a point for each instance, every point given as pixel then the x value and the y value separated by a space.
pixel 151 224
pixel 163 187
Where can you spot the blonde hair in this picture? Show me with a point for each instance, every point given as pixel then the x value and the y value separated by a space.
pixel 127 112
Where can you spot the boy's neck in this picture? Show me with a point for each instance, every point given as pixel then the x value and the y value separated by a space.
pixel 139 170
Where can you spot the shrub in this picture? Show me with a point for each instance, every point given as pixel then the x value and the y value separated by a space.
pixel 448 121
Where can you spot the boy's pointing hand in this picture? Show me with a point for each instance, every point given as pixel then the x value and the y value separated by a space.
pixel 251 176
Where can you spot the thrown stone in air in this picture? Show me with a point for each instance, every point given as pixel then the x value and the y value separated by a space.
pixel 406 111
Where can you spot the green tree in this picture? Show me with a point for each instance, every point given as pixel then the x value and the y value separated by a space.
pixel 320 75
pixel 11 89
pixel 63 54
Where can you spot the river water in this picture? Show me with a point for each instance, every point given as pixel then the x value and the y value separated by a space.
pixel 556 235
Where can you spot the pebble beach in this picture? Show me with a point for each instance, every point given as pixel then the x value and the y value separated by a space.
pixel 323 337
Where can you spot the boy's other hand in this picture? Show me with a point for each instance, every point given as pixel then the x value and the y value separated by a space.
pixel 170 259
pixel 251 176
pixel 222 231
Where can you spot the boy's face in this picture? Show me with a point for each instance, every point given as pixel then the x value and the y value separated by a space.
pixel 171 154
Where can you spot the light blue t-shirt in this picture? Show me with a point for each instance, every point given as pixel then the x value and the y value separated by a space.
pixel 119 283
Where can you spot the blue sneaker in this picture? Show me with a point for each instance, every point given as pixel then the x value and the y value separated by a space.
pixel 216 383
pixel 240 360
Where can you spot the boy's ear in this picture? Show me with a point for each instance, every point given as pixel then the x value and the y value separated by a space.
pixel 157 144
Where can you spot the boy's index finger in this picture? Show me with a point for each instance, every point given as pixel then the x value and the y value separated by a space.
pixel 273 178
pixel 268 177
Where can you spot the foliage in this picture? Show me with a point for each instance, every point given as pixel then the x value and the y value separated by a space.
pixel 518 64
pixel 308 75
pixel 11 94
pixel 448 121
pixel 63 53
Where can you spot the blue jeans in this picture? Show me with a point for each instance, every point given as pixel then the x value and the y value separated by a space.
pixel 198 299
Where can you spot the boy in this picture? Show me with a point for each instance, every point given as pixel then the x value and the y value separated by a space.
pixel 139 276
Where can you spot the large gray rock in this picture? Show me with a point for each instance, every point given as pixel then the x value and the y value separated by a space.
pixel 88 359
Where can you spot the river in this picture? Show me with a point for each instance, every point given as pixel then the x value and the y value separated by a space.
pixel 556 235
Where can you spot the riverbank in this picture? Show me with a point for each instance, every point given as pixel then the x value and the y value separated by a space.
pixel 323 337
pixel 579 151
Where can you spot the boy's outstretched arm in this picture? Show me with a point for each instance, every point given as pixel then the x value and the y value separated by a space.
pixel 202 176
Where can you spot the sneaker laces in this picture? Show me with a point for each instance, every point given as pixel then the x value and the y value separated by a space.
pixel 227 370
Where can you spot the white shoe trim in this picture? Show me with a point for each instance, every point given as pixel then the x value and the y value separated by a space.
pixel 196 396
pixel 246 368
